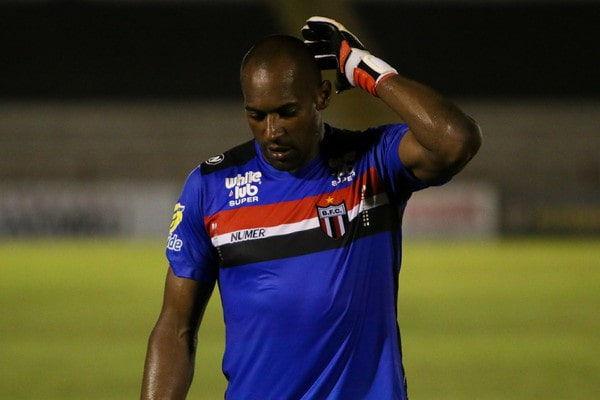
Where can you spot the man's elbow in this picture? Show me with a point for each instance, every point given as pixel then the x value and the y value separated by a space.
pixel 471 140
pixel 464 147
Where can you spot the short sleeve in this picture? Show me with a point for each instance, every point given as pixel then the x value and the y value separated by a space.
pixel 189 248
pixel 399 180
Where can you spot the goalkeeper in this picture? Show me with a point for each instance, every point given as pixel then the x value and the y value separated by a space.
pixel 301 228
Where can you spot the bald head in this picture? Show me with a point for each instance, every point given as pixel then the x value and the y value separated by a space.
pixel 284 95
pixel 281 53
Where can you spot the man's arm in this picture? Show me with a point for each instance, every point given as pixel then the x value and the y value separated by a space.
pixel 441 139
pixel 171 352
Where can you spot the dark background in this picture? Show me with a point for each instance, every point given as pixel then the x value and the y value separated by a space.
pixel 74 49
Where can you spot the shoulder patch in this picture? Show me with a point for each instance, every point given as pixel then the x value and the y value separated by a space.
pixel 238 155
pixel 177 217
pixel 215 160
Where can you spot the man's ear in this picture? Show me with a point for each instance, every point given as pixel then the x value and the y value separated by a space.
pixel 324 95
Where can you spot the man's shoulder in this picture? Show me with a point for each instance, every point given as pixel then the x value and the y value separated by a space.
pixel 341 141
pixel 235 156
pixel 338 141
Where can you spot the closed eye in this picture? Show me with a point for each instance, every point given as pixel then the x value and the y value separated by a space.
pixel 287 111
pixel 256 115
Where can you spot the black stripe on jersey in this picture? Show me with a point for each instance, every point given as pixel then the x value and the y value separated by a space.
pixel 381 219
pixel 238 155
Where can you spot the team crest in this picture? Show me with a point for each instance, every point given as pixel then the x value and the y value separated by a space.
pixel 333 220
pixel 177 217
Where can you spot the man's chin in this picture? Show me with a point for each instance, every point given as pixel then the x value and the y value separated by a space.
pixel 283 165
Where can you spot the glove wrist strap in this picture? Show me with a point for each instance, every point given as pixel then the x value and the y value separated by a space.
pixel 364 70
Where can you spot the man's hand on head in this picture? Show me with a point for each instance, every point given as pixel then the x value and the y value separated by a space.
pixel 335 47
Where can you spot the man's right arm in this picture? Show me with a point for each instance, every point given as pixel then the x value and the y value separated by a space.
pixel 169 366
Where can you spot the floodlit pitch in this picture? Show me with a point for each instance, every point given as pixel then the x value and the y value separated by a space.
pixel 479 320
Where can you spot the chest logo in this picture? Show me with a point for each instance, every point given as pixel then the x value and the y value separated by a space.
pixel 333 219
pixel 243 188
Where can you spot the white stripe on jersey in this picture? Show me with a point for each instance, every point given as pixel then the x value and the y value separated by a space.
pixel 261 232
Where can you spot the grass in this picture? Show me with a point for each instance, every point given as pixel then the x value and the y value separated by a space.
pixel 511 319
pixel 514 320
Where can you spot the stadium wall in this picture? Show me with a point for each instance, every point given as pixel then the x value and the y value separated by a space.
pixel 538 164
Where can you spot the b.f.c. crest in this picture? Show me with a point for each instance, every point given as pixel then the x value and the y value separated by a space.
pixel 333 220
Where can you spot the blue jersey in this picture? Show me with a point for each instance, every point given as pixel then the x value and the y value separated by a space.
pixel 307 265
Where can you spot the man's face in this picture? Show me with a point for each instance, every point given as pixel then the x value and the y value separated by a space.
pixel 283 112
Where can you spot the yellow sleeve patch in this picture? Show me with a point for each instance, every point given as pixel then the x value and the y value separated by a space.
pixel 177 217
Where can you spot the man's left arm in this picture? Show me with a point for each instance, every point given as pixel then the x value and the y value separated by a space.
pixel 441 139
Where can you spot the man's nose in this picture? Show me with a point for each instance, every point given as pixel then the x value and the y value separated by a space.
pixel 272 126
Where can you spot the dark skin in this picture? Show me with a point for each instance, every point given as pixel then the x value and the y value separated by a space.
pixel 283 102
pixel 283 111
pixel 171 352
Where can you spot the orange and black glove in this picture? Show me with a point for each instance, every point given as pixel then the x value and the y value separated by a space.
pixel 335 47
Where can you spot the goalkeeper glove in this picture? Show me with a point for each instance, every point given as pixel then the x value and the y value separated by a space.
pixel 335 47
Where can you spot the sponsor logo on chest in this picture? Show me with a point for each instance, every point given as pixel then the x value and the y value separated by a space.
pixel 248 234
pixel 243 188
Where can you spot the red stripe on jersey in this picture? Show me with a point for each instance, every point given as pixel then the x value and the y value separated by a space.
pixel 292 211
pixel 326 226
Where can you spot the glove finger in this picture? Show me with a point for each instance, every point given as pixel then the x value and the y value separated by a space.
pixel 341 83
pixel 320 47
pixel 325 56
pixel 308 33
pixel 329 21
pixel 352 40
pixel 326 62
pixel 322 30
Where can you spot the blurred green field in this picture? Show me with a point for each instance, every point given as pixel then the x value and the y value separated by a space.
pixel 514 319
